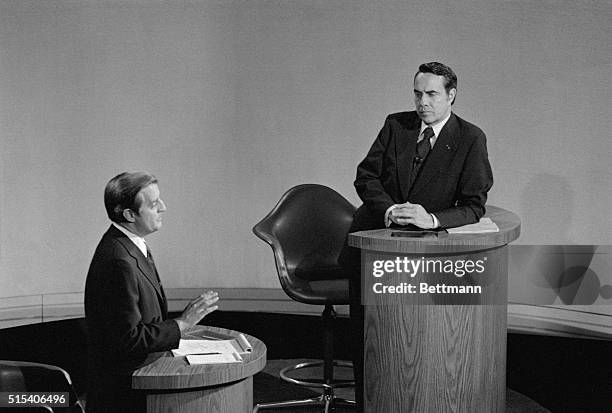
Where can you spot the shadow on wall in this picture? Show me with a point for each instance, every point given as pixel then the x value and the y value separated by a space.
pixel 539 274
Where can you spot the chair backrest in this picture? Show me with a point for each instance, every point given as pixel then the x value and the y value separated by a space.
pixel 22 376
pixel 306 230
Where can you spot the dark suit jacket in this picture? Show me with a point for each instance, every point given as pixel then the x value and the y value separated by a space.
pixel 452 183
pixel 126 314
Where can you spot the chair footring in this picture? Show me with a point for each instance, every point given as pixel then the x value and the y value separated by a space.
pixel 327 400
pixel 317 384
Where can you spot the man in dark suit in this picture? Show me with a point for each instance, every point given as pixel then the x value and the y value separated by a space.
pixel 125 305
pixel 427 169
pixel 446 184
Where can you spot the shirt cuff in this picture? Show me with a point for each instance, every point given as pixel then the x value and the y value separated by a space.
pixel 387 212
pixel 436 223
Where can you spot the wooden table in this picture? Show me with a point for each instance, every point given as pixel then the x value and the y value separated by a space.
pixel 172 385
pixel 436 352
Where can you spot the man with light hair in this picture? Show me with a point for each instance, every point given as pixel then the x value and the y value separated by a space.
pixel 125 304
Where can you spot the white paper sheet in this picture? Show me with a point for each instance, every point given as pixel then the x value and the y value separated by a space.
pixel 482 226
pixel 237 345
pixel 214 358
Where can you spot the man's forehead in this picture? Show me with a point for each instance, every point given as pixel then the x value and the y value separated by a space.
pixel 428 81
pixel 149 192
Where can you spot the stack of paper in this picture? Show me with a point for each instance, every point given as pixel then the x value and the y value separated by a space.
pixel 484 225
pixel 213 351
pixel 214 358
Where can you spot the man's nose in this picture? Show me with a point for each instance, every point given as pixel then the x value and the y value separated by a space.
pixel 162 206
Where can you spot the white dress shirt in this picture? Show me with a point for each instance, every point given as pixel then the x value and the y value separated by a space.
pixel 138 241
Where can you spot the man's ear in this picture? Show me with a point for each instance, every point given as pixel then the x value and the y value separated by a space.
pixel 451 94
pixel 128 214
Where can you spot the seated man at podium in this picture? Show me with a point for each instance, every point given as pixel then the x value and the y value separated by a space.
pixel 125 305
pixel 427 168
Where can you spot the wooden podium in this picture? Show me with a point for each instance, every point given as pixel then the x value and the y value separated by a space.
pixel 172 385
pixel 434 351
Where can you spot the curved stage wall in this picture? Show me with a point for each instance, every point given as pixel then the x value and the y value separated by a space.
pixel 570 321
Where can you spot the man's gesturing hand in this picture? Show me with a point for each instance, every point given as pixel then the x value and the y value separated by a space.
pixel 197 310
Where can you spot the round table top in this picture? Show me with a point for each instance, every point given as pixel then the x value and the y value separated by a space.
pixel 169 372
pixel 382 239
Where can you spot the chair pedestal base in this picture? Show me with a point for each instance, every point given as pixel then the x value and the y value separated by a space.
pixel 327 399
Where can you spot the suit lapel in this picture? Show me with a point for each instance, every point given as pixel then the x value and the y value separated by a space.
pixel 405 149
pixel 143 265
pixel 439 157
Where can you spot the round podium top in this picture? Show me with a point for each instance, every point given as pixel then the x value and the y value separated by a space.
pixel 169 372
pixel 384 239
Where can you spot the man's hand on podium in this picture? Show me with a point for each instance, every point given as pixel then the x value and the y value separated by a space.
pixel 197 309
pixel 415 214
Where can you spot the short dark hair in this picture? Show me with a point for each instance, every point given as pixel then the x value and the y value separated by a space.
pixel 121 193
pixel 439 69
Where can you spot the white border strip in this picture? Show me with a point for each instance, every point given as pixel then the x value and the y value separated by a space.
pixel 558 321
pixel 566 321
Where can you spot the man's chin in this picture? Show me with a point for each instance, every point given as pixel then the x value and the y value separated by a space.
pixel 425 117
pixel 429 120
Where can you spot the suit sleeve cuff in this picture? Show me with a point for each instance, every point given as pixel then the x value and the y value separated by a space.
pixel 387 213
pixel 175 333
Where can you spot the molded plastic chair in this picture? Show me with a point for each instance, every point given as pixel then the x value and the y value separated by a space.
pixel 22 376
pixel 307 230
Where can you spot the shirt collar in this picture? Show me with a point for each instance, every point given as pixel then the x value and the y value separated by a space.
pixel 138 241
pixel 437 127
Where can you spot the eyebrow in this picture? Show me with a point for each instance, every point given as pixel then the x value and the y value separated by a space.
pixel 426 91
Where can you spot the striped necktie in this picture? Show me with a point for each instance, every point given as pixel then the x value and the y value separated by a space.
pixel 424 146
pixel 422 149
